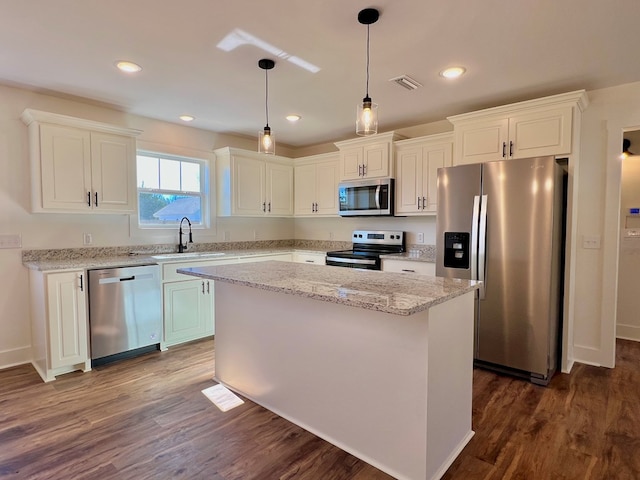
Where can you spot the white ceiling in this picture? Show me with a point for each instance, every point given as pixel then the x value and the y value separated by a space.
pixel 513 50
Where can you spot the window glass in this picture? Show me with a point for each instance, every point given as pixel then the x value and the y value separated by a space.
pixel 170 188
pixel 148 172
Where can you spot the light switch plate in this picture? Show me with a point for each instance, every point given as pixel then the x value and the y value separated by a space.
pixel 591 241
pixel 11 241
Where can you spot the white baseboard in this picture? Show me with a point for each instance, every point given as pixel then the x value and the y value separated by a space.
pixel 16 356
pixel 628 332
pixel 587 355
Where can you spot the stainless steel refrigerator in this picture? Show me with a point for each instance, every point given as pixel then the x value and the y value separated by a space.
pixel 502 223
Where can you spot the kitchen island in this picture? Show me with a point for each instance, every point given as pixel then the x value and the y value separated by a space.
pixel 379 364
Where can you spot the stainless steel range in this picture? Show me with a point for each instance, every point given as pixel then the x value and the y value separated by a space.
pixel 368 245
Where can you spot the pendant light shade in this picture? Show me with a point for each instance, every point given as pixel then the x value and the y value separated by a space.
pixel 266 142
pixel 367 111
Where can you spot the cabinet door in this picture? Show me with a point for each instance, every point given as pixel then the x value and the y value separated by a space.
pixel 433 158
pixel 305 189
pixel 113 172
pixel 376 160
pixel 67 318
pixel 541 133
pixel 351 163
pixel 188 310
pixel 248 186
pixel 481 141
pixel 279 189
pixel 65 162
pixel 327 188
pixel 409 180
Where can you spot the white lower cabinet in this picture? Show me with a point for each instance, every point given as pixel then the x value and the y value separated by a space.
pixel 59 327
pixel 188 311
pixel 407 266
pixel 188 303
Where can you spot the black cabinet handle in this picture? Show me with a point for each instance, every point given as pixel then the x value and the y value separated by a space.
pixel 203 288
pixel 269 206
pixel 81 283
pixel 511 149
pixel 89 198
pixel 264 206
pixel 504 149
pixel 207 286
pixel 408 270
pixel 96 197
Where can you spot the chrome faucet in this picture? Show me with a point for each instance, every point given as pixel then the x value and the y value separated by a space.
pixel 182 248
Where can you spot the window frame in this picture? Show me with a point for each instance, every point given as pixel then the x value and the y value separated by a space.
pixel 205 191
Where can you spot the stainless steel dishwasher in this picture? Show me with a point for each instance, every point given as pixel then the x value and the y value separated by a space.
pixel 125 311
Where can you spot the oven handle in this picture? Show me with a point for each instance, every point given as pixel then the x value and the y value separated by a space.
pixel 351 260
pixel 378 197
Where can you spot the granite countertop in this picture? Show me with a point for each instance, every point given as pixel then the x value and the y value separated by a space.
pixel 113 261
pixel 394 293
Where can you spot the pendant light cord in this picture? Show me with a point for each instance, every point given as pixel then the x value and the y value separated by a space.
pixel 367 95
pixel 266 95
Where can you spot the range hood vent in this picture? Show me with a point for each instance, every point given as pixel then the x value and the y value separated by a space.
pixel 407 82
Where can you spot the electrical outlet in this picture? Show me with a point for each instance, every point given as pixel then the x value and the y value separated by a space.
pixel 87 239
pixel 227 235
pixel 421 237
pixel 591 241
pixel 255 235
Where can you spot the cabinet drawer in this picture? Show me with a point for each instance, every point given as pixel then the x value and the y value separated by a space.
pixel 404 266
pixel 316 258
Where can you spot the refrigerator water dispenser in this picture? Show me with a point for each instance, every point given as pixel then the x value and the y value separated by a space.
pixel 456 249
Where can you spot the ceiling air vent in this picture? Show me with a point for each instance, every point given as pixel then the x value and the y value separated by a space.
pixel 406 81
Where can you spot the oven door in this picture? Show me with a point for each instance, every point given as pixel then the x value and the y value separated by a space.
pixel 366 197
pixel 353 260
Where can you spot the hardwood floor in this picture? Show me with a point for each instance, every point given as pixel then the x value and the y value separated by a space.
pixel 145 418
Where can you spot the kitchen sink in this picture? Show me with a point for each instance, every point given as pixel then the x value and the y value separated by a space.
pixel 171 256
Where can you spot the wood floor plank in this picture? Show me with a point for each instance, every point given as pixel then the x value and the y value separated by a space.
pixel 146 418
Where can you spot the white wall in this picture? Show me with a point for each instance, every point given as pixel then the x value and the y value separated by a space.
pixel 610 112
pixel 65 231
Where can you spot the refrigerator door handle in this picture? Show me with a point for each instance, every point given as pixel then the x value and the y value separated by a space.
pixel 482 245
pixel 474 237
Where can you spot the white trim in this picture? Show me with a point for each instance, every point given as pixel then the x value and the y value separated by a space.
pixel 29 116
pixel 628 332
pixel 15 356
pixel 588 355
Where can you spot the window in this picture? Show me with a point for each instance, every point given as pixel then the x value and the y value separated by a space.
pixel 170 188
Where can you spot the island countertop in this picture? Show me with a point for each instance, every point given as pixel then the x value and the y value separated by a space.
pixel 394 293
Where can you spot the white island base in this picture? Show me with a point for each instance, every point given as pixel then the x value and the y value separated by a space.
pixel 393 390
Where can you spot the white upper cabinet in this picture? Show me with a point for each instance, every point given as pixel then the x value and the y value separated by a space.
pixel 80 166
pixel 527 129
pixel 316 185
pixel 417 163
pixel 367 157
pixel 248 184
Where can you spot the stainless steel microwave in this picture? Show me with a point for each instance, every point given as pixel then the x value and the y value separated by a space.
pixel 366 197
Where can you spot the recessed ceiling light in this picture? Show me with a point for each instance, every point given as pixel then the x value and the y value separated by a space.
pixel 293 118
pixel 187 118
pixel 128 67
pixel 452 72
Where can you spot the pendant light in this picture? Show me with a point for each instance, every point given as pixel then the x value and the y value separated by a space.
pixel 266 142
pixel 367 112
